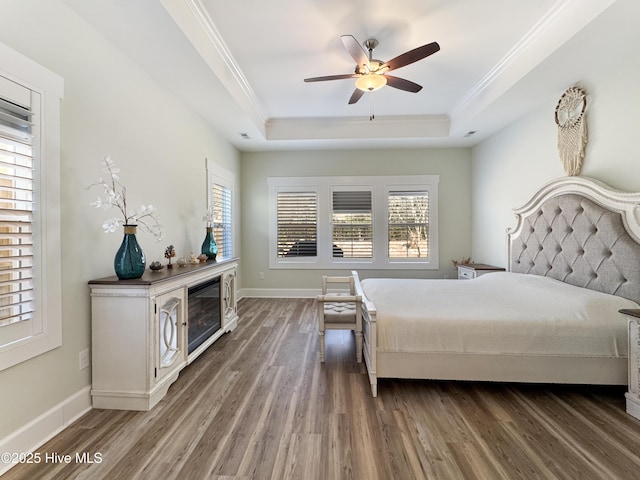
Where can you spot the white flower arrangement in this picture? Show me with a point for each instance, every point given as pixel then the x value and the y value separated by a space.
pixel 209 217
pixel 115 195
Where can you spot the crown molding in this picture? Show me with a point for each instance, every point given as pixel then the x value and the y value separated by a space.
pixel 193 19
pixel 422 126
pixel 565 19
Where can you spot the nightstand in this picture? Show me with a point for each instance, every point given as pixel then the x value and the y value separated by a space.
pixel 633 393
pixel 468 271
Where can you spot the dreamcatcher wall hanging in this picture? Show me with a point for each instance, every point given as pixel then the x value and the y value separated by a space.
pixel 572 129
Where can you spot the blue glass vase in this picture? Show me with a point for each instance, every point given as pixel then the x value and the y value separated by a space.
pixel 209 246
pixel 129 261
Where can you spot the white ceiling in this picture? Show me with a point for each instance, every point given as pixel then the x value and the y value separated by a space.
pixel 241 64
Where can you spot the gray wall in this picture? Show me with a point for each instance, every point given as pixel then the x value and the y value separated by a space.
pixel 110 107
pixel 453 166
pixel 508 168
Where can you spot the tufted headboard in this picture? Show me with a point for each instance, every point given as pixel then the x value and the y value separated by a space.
pixel 580 231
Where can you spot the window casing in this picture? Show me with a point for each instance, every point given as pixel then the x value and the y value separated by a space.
pixel 220 200
pixel 30 258
pixel 353 222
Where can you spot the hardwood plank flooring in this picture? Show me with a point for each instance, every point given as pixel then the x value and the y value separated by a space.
pixel 259 405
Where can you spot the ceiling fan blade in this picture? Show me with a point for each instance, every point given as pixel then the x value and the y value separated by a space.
pixel 355 49
pixel 402 84
pixel 357 94
pixel 331 77
pixel 412 56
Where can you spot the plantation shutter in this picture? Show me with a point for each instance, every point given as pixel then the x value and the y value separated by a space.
pixel 352 224
pixel 297 224
pixel 408 224
pixel 221 201
pixel 16 212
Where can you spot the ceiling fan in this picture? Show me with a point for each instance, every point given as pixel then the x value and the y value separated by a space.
pixel 371 74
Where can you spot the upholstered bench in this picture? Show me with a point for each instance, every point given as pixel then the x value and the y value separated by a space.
pixel 339 310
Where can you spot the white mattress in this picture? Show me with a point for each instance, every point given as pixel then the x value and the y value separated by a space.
pixel 497 313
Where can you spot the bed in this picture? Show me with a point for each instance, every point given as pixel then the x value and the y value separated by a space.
pixel 573 261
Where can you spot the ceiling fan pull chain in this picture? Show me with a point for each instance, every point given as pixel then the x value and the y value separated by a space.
pixel 371 114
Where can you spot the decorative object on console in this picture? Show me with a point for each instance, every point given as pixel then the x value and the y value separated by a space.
pixel 193 260
pixel 209 245
pixel 129 261
pixel 182 262
pixel 572 129
pixel 169 253
pixel 156 265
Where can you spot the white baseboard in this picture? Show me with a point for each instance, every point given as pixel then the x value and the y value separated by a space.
pixel 41 429
pixel 279 292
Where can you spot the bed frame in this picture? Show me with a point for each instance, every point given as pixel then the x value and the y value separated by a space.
pixel 574 229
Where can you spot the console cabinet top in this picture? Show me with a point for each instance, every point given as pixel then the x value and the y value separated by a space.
pixel 152 277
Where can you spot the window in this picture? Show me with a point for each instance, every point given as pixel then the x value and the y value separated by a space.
pixel 297 224
pixel 16 214
pixel 30 295
pixel 220 199
pixel 408 224
pixel 353 222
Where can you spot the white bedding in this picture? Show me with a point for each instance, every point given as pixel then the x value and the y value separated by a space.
pixel 497 313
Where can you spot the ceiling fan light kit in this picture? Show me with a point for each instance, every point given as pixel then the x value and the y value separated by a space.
pixel 371 74
pixel 371 82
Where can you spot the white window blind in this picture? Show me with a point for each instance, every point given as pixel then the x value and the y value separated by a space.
pixel 352 224
pixel 297 224
pixel 16 214
pixel 30 246
pixel 408 224
pixel 221 203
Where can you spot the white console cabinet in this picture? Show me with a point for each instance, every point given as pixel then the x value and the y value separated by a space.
pixel 140 330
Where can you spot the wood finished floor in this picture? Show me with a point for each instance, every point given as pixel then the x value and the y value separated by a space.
pixel 258 404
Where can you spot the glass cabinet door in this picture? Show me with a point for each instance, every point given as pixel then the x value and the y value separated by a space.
pixel 170 332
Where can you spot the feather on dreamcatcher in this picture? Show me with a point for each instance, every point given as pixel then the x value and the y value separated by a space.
pixel 572 129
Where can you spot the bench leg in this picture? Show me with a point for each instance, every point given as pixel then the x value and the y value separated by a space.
pixel 359 347
pixel 321 336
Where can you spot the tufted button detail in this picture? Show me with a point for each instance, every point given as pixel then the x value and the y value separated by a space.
pixel 549 229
